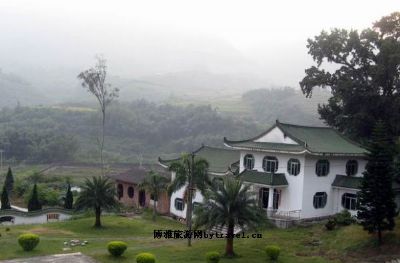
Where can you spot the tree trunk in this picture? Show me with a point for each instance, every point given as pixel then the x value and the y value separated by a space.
pixel 379 237
pixel 154 209
pixel 98 214
pixel 189 204
pixel 103 111
pixel 229 241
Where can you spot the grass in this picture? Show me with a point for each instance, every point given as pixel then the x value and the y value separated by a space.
pixel 301 244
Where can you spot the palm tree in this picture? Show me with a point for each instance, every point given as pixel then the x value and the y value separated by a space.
pixel 229 204
pixel 155 184
pixel 192 172
pixel 97 193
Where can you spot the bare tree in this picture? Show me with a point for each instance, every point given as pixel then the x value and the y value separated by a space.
pixel 94 80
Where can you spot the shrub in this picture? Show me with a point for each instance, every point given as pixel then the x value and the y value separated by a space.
pixel 344 218
pixel 213 257
pixel 28 241
pixel 117 248
pixel 273 252
pixel 145 258
pixel 331 224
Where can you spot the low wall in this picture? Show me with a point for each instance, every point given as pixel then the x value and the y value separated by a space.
pixel 16 217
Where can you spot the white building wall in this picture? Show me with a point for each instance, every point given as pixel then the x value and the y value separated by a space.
pixel 314 184
pixel 198 197
pixel 291 196
pixel 37 219
pixel 276 136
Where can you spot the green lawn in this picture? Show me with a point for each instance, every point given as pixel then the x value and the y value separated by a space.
pixel 302 244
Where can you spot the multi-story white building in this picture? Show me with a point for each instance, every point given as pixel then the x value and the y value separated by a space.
pixel 295 171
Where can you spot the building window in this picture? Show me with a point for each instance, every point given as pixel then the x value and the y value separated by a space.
pixel 320 199
pixel 131 192
pixel 270 164
pixel 351 167
pixel 179 204
pixel 120 191
pixel 293 166
pixel 322 168
pixel 248 162
pixel 349 201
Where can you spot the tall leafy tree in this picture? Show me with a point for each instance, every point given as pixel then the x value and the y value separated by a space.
pixel 230 204
pixel 9 182
pixel 98 193
pixel 69 198
pixel 362 71
pixel 190 171
pixel 94 80
pixel 155 184
pixel 376 209
pixel 34 202
pixel 5 201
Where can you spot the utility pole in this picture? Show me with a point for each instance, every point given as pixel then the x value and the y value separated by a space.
pixel 189 205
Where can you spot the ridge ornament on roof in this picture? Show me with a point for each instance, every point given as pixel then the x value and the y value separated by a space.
pixel 303 140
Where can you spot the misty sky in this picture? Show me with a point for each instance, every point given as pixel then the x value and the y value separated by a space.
pixel 263 38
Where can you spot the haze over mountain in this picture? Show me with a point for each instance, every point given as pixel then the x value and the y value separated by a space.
pixel 156 49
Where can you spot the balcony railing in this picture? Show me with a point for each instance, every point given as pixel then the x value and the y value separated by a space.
pixel 283 214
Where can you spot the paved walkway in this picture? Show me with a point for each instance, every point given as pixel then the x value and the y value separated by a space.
pixel 60 258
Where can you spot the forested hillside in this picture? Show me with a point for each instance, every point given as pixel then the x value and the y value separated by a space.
pixel 143 130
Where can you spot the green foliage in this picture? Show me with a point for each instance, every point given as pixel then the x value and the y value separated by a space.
pixel 5 202
pixel 9 182
pixel 213 257
pixel 63 133
pixel 154 184
pixel 98 193
pixel 145 258
pixel 28 241
pixel 47 195
pixel 285 103
pixel 69 198
pixel 365 80
pixel 34 203
pixel 273 252
pixel 231 205
pixel 117 248
pixel 330 225
pixel 376 210
pixel 344 218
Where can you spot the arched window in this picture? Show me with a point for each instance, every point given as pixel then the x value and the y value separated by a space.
pixel 131 192
pixel 120 191
pixel 351 167
pixel 179 204
pixel 293 167
pixel 270 164
pixel 349 201
pixel 320 199
pixel 248 162
pixel 322 168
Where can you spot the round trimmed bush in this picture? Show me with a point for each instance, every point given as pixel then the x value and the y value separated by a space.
pixel 145 258
pixel 273 252
pixel 213 257
pixel 117 248
pixel 28 241
pixel 330 225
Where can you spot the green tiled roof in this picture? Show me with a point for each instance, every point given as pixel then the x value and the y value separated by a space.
pixel 313 140
pixel 347 181
pixel 257 177
pixel 219 159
